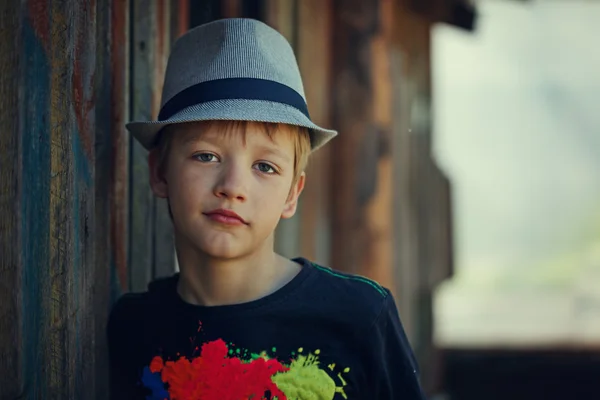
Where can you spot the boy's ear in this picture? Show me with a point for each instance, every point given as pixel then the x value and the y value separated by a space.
pixel 292 202
pixel 157 180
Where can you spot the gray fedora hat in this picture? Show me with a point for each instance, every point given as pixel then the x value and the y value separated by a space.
pixel 232 69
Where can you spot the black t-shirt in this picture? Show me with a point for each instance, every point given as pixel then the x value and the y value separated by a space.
pixel 323 336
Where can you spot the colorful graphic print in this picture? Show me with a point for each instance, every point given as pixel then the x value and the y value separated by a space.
pixel 220 373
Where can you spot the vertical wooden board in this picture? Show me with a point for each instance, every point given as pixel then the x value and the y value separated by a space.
pixel 377 261
pixel 68 305
pixel 80 306
pixel 403 216
pixel 180 18
pixel 204 11
pixel 118 105
pixel 11 312
pixel 103 155
pixel 143 53
pixel 439 231
pixel 252 9
pixel 281 15
pixel 111 162
pixel 421 182
pixel 313 50
pixel 408 48
pixel 231 8
pixel 57 288
pixel 34 131
pixel 163 241
pixel 353 183
pixel 416 172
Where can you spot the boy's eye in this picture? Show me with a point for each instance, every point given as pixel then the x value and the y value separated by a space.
pixel 205 157
pixel 265 168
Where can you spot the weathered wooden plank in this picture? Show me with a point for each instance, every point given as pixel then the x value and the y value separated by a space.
pixel 56 289
pixel 378 260
pixel 281 15
pixel 354 172
pixel 80 308
pixel 151 237
pixel 163 245
pixel 180 18
pixel 34 155
pixel 313 50
pixel 143 103
pixel 231 8
pixel 204 11
pixel 252 9
pixel 102 263
pixel 118 107
pixel 11 250
pixel 68 317
pixel 423 219
pixel 111 162
pixel 439 230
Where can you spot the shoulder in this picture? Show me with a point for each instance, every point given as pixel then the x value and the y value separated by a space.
pixel 130 309
pixel 125 316
pixel 361 297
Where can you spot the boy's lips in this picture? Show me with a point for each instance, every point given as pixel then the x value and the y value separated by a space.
pixel 227 217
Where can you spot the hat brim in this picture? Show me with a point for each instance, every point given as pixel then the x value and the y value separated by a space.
pixel 146 132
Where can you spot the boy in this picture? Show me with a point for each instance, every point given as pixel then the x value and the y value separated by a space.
pixel 239 321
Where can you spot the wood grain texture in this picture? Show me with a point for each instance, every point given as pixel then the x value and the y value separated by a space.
pixel 422 196
pixel 117 107
pixel 282 15
pixel 34 226
pixel 354 174
pixel 11 306
pixel 314 57
pixel 111 178
pixel 151 232
pixel 144 18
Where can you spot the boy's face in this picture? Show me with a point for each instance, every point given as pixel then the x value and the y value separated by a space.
pixel 214 170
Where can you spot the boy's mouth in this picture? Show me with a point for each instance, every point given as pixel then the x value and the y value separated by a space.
pixel 226 217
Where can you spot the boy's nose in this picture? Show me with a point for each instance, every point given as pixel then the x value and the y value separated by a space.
pixel 232 183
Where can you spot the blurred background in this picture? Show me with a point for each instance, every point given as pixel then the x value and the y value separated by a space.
pixel 465 178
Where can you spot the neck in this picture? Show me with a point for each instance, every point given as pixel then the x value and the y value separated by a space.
pixel 207 281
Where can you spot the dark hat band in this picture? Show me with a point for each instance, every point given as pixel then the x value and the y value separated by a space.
pixel 233 88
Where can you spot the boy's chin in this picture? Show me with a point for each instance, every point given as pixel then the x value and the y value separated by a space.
pixel 222 252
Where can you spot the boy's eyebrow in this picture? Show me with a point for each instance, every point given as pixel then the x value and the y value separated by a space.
pixel 191 138
pixel 275 151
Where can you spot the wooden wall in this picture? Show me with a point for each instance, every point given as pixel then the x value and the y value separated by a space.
pixel 70 234
pixel 78 224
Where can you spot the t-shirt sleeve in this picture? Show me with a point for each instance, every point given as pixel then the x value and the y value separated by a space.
pixel 395 370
